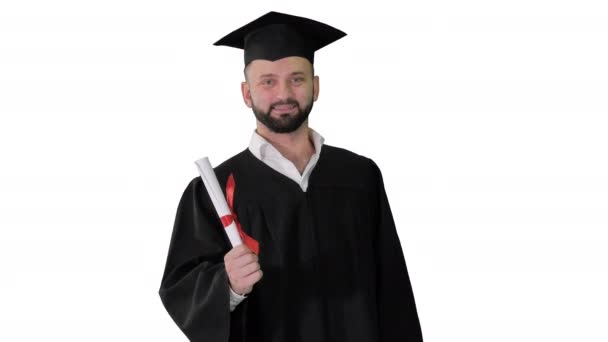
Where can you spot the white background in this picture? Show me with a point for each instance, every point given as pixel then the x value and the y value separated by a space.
pixel 488 119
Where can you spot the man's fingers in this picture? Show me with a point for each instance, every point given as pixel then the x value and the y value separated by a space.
pixel 243 285
pixel 250 280
pixel 243 268
pixel 241 261
pixel 237 252
pixel 245 271
pixel 253 277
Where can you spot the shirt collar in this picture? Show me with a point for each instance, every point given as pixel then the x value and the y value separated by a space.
pixel 262 149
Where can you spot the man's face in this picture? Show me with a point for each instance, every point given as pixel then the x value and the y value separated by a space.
pixel 281 93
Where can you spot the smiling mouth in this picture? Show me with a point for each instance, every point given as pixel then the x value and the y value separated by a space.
pixel 283 108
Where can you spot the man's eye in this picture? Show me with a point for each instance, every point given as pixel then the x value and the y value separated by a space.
pixel 298 79
pixel 268 82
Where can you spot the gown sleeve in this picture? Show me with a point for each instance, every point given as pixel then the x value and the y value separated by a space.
pixel 397 315
pixel 194 287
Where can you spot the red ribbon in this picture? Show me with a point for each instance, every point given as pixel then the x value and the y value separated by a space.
pixel 228 219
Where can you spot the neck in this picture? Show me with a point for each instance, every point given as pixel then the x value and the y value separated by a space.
pixel 295 146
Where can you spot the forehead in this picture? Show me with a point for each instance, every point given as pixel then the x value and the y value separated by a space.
pixel 283 66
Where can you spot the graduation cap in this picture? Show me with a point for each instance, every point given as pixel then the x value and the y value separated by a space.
pixel 277 35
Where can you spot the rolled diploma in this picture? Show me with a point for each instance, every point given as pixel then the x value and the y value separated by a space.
pixel 217 198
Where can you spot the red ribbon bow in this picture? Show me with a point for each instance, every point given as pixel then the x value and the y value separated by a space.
pixel 228 219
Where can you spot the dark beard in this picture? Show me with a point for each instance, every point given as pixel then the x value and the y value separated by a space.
pixel 285 123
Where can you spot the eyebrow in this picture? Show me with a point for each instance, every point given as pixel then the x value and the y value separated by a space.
pixel 275 75
pixel 267 75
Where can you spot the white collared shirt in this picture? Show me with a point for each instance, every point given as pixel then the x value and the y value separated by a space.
pixel 269 155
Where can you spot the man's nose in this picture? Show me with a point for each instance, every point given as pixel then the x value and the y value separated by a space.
pixel 284 91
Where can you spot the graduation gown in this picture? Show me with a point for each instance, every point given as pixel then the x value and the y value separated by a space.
pixel 333 265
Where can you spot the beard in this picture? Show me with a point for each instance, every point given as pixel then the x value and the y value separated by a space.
pixel 285 123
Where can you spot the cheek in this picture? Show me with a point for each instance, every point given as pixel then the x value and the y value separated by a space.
pixel 260 99
pixel 305 94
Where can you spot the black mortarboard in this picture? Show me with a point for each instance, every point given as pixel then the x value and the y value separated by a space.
pixel 276 35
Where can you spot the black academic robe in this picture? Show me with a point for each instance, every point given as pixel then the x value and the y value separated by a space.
pixel 332 262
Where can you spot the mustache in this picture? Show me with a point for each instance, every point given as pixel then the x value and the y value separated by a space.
pixel 286 102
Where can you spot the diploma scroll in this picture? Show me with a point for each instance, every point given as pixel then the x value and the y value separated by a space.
pixel 219 202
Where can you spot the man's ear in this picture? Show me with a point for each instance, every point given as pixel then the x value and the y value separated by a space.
pixel 315 91
pixel 246 92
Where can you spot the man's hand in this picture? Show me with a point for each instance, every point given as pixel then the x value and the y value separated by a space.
pixel 243 269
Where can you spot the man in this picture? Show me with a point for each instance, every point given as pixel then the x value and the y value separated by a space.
pixel 329 265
